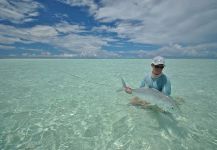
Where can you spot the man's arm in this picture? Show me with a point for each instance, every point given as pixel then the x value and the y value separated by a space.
pixel 144 81
pixel 167 88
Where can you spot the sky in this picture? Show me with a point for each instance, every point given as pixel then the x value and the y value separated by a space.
pixel 108 28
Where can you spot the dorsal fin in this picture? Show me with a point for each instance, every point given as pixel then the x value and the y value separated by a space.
pixel 123 83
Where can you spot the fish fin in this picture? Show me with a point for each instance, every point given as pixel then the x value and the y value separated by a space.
pixel 123 83
pixel 124 86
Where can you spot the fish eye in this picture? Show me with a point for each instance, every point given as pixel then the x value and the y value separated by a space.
pixel 172 107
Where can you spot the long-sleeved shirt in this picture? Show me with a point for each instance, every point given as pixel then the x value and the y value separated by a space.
pixel 161 83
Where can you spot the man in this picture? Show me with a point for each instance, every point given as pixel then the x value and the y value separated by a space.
pixel 156 79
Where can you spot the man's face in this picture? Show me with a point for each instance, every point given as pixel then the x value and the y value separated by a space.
pixel 157 69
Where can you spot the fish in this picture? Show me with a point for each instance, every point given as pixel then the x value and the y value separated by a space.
pixel 155 98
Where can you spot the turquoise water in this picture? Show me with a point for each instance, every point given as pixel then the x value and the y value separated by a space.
pixel 73 104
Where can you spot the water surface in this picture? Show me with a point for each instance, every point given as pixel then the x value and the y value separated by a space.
pixel 73 104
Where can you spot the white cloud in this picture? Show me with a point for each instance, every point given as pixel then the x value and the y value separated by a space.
pixel 79 43
pixel 175 50
pixel 71 41
pixel 125 10
pixel 61 16
pixel 161 21
pixel 67 55
pixel 19 11
pixel 45 53
pixel 8 40
pixel 38 33
pixel 42 31
pixel 166 23
pixel 6 47
pixel 11 35
pixel 88 3
pixel 76 45
pixel 27 55
pixel 65 27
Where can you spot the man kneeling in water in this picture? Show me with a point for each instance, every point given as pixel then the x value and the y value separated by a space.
pixel 156 79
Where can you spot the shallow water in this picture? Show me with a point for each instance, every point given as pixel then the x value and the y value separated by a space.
pixel 73 104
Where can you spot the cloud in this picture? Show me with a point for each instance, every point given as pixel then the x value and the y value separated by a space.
pixel 85 3
pixel 38 33
pixel 8 40
pixel 207 50
pixel 65 27
pixel 161 21
pixel 12 35
pixel 121 10
pixel 63 36
pixel 6 47
pixel 61 16
pixel 42 32
pixel 19 11
pixel 67 39
pixel 180 28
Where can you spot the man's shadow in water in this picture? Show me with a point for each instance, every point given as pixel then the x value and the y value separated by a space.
pixel 168 123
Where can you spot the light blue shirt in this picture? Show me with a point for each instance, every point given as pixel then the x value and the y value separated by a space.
pixel 161 83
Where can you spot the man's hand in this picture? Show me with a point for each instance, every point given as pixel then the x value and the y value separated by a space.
pixel 128 90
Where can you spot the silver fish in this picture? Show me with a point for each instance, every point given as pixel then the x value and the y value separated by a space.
pixel 155 98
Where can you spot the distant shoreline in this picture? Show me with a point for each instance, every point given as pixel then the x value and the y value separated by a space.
pixel 98 58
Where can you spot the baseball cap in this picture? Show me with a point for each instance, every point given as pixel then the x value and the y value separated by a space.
pixel 158 60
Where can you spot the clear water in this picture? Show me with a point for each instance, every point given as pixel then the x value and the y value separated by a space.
pixel 73 104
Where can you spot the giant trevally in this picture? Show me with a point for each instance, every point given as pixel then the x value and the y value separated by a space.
pixel 155 98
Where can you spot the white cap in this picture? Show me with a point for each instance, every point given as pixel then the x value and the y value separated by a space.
pixel 158 60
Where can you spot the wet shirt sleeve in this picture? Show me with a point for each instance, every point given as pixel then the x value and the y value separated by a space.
pixel 167 88
pixel 142 83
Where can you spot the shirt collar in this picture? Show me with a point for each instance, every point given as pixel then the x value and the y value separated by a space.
pixel 155 76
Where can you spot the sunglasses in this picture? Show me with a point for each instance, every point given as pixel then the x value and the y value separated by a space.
pixel 158 66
